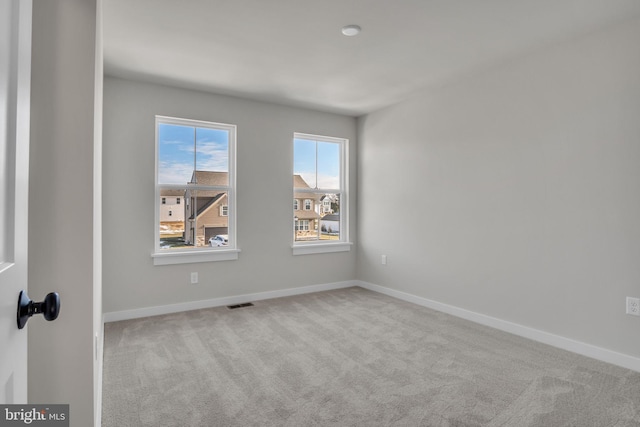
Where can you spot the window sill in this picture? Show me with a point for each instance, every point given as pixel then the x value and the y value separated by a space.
pixel 321 248
pixel 167 258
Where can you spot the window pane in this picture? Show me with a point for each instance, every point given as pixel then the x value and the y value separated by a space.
pixel 212 155
pixel 318 169
pixel 330 217
pixel 206 219
pixel 307 220
pixel 195 200
pixel 328 165
pixel 175 153
pixel 172 220
pixel 304 163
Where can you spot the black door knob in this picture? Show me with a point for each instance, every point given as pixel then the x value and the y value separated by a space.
pixel 49 308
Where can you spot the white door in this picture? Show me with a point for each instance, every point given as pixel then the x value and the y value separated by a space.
pixel 15 81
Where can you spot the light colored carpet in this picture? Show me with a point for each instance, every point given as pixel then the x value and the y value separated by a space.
pixel 349 357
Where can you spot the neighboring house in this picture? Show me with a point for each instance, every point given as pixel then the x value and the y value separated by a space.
pixel 171 206
pixel 329 204
pixel 206 212
pixel 305 211
pixel 330 224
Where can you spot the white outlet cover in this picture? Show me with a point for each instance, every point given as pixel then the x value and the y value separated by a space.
pixel 633 306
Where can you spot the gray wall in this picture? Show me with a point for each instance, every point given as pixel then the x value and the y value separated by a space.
pixel 61 356
pixel 264 198
pixel 515 192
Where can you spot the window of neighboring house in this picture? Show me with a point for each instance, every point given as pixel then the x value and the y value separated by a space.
pixel 302 225
pixel 320 179
pixel 164 200
pixel 197 159
pixel 326 205
pixel 296 205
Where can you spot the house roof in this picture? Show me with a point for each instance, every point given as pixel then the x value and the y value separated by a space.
pixel 213 178
pixel 302 214
pixel 171 193
pixel 298 183
pixel 332 217
pixel 207 203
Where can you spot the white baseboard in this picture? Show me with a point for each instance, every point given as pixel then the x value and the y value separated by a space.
pixel 594 352
pixel 100 360
pixel 218 302
pixel 589 350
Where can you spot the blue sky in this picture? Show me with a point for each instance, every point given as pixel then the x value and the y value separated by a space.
pixel 176 149
pixel 327 174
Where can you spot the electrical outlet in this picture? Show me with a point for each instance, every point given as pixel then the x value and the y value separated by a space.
pixel 194 278
pixel 633 306
pixel 383 260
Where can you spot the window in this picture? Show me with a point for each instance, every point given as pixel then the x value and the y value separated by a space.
pixel 296 204
pixel 320 179
pixel 195 160
pixel 326 204
pixel 302 225
pixel 164 200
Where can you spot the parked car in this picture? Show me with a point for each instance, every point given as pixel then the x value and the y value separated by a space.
pixel 219 240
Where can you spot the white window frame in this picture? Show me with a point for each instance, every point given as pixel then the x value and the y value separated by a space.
pixel 296 205
pixel 308 204
pixel 200 254
pixel 224 210
pixel 325 246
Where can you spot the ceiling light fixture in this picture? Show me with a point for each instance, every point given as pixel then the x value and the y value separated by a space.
pixel 351 30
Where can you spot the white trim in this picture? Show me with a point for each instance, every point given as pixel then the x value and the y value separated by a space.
pixel 218 302
pixel 97 284
pixel 197 255
pixel 343 193
pixel 191 256
pixel 584 349
pixel 321 138
pixel 321 248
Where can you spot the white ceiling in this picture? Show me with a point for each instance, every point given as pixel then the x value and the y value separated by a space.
pixel 292 51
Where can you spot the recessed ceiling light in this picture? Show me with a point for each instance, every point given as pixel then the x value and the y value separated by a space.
pixel 351 30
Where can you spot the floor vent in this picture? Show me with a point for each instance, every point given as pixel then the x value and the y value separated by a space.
pixel 246 304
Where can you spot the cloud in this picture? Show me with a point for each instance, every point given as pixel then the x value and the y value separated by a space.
pixel 174 172
pixel 212 156
pixel 331 182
